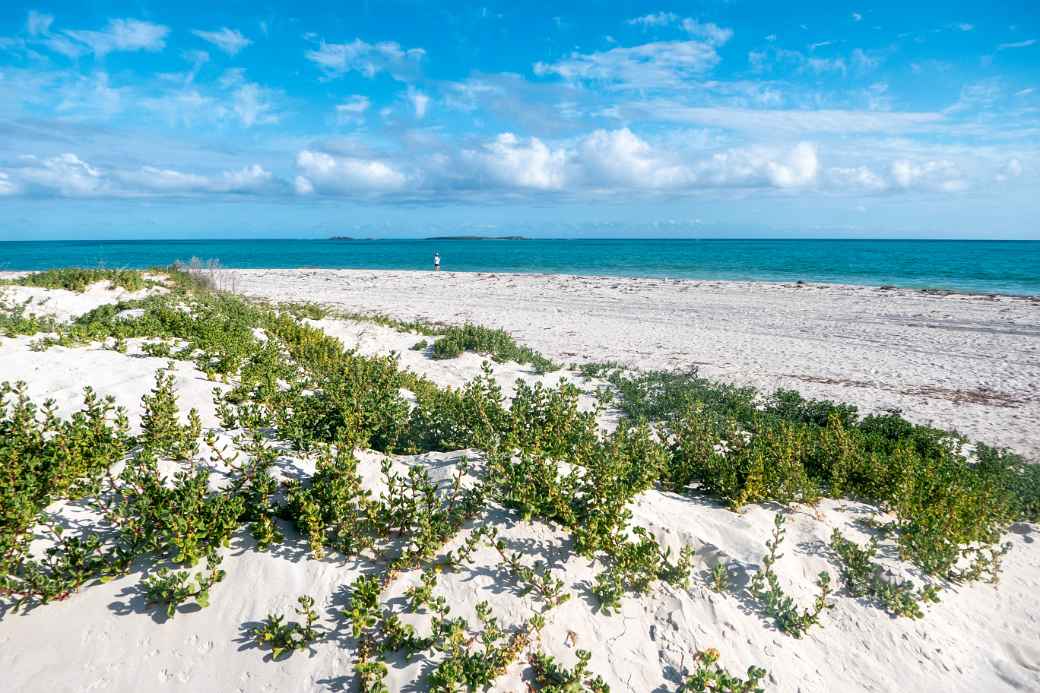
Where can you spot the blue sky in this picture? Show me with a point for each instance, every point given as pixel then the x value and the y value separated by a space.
pixel 714 118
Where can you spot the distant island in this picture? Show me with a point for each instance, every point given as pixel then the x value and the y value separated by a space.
pixel 476 238
pixel 342 238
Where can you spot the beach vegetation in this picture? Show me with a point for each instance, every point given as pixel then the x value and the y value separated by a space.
pixel 79 278
pixel 16 319
pixel 293 390
pixel 286 637
pixel 498 344
pixel 765 588
pixel 552 677
pixel 864 578
pixel 709 676
pixel 170 589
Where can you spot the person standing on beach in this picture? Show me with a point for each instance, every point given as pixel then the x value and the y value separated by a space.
pixel 436 262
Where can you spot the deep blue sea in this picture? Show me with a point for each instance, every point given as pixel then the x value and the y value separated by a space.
pixel 1011 267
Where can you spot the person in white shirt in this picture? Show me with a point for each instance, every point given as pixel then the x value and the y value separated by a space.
pixel 436 262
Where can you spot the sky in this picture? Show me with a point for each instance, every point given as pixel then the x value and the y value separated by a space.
pixel 554 119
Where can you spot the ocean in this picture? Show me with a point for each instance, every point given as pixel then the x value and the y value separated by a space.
pixel 1009 267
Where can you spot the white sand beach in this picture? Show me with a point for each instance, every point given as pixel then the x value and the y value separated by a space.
pixel 967 362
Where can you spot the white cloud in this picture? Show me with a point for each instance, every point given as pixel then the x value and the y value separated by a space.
pixel 1017 44
pixel 857 17
pixel 857 178
pixel 353 109
pixel 511 162
pixel 964 26
pixel 420 102
pixel 89 95
pixel 38 24
pixel 799 168
pixel 65 174
pixel 929 175
pixel 7 186
pixel 231 41
pixel 252 104
pixel 122 35
pixel 620 158
pixel 68 175
pixel 655 19
pixel 322 172
pixel 1011 169
pixel 778 122
pixel 337 59
pixel 651 65
pixel 709 31
pixel 863 61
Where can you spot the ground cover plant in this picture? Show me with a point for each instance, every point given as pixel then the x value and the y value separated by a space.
pixel 539 457
pixel 79 278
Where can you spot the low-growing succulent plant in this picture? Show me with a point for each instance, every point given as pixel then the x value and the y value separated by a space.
pixel 709 676
pixel 286 637
pixel 169 589
pixel 765 587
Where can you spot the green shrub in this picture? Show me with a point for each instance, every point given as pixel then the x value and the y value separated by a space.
pixel 865 578
pixel 78 278
pixel 497 344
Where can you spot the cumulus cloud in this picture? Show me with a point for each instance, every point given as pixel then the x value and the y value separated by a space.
pixel 120 35
pixel 941 175
pixel 326 173
pixel 369 59
pixel 650 65
pixel 231 41
pixel 514 163
pixel 620 158
pixel 760 167
pixel 856 178
pixel 601 161
pixel 67 175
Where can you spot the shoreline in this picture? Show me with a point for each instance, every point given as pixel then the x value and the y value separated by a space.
pixel 937 291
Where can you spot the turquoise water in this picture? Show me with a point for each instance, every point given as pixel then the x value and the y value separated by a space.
pixel 985 266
